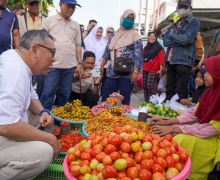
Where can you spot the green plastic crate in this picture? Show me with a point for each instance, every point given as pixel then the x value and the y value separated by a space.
pixel 54 170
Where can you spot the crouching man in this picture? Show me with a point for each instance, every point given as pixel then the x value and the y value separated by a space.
pixel 86 86
pixel 25 151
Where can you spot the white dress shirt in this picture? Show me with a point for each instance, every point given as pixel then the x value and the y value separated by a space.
pixel 16 90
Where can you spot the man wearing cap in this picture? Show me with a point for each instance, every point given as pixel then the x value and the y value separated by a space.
pixel 9 29
pixel 32 19
pixel 68 55
pixel 180 56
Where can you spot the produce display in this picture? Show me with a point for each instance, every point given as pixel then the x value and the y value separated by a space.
pixel 163 111
pixel 126 154
pixel 73 111
pixel 106 121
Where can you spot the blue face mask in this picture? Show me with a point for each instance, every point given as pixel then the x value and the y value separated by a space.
pixel 127 23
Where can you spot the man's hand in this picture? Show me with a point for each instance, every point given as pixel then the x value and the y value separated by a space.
pixel 46 120
pixel 86 74
pixel 52 140
pixel 97 80
pixel 78 70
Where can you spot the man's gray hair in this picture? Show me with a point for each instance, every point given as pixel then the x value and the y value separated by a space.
pixel 34 36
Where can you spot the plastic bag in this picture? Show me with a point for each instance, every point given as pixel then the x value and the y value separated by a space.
pixel 158 100
pixel 162 84
pixel 176 106
pixel 137 111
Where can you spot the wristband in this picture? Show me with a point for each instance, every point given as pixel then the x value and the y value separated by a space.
pixel 42 111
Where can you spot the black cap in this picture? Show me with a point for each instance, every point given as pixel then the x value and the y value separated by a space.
pixel 186 3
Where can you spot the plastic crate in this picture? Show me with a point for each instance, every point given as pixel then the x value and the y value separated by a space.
pixel 54 170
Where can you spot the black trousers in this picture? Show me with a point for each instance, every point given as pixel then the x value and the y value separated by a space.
pixel 87 98
pixel 177 80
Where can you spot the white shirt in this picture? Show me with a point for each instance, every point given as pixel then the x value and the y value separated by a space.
pixel 86 84
pixel 16 90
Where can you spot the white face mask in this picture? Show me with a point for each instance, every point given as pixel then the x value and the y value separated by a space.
pixel 183 12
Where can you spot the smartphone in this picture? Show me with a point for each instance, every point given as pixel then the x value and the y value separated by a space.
pixel 96 72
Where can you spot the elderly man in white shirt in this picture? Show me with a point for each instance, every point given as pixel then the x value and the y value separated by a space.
pixel 25 151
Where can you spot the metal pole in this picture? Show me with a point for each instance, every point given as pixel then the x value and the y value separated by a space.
pixel 139 19
pixel 146 20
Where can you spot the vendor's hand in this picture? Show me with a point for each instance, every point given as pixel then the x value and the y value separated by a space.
pixel 52 140
pixel 134 77
pixel 162 130
pixel 46 120
pixel 89 27
pixel 101 70
pixel 158 121
pixel 185 102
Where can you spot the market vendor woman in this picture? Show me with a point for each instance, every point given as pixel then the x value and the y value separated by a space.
pixel 199 130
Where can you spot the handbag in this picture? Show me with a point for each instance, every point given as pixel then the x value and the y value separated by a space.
pixel 122 65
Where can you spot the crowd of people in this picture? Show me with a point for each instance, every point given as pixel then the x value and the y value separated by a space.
pixel 62 60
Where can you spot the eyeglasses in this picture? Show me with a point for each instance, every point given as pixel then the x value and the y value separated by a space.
pixel 52 50
pixel 33 3
pixel 110 32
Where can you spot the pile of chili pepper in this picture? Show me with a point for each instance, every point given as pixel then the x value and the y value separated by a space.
pixel 69 140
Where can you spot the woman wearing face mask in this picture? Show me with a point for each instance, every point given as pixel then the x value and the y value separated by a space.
pixel 125 54
pixel 96 43
pixel 153 65
pixel 199 130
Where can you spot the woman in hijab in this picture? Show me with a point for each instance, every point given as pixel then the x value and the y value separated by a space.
pixel 198 131
pixel 96 43
pixel 124 50
pixel 153 65
pixel 109 32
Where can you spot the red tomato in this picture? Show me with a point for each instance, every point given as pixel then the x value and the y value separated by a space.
pixel 161 153
pixel 170 161
pixel 162 162
pixel 77 153
pixel 147 164
pixel 75 171
pixel 128 139
pixel 145 174
pixel 109 172
pixel 70 158
pixel 168 137
pixel 107 160
pixel 124 155
pixel 104 142
pixel 109 149
pixel 94 172
pixel 179 166
pixel 96 140
pixel 138 157
pixel 154 149
pixel 167 144
pixel 157 168
pixel 169 151
pixel 115 155
pixel 84 163
pixel 95 151
pixel 115 140
pixel 100 156
pixel 147 155
pixel 132 172
pixel 85 156
pixel 125 178
pixel 130 161
pixel 92 136
pixel 184 155
pixel 125 147
pixel 158 176
pixel 122 174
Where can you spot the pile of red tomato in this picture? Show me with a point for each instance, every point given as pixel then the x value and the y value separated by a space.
pixel 69 140
pixel 126 154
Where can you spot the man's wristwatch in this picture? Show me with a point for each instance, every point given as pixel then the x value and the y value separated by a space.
pixel 42 111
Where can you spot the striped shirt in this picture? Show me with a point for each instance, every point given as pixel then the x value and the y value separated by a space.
pixel 8 23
